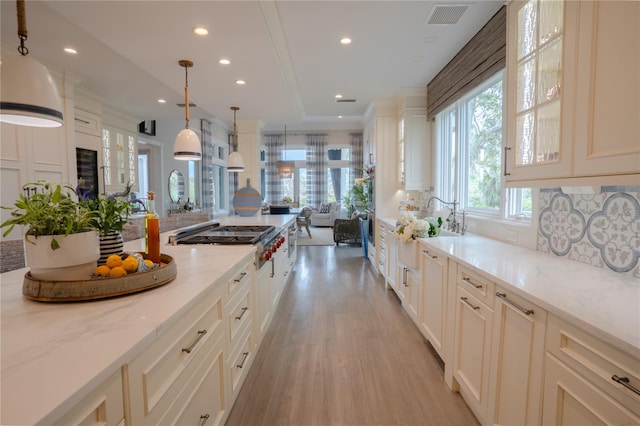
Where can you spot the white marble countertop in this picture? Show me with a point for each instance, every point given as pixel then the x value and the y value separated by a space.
pixel 602 302
pixel 52 354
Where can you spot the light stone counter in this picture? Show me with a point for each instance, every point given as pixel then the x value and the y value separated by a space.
pixel 603 303
pixel 53 354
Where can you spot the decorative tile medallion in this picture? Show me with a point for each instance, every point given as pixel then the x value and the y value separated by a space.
pixel 602 230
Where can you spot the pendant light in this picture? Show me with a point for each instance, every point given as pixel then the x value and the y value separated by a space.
pixel 29 96
pixel 187 145
pixel 285 168
pixel 235 163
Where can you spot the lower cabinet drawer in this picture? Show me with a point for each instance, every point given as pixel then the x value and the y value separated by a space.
pixel 240 361
pixel 102 406
pixel 202 402
pixel 162 371
pixel 238 313
pixel 597 361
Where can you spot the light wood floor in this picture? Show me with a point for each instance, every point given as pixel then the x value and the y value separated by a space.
pixel 341 351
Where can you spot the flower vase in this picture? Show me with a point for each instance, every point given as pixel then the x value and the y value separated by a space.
pixel 112 243
pixel 408 254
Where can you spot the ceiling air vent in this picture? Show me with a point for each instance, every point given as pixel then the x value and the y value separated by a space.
pixel 345 100
pixel 446 14
pixel 191 105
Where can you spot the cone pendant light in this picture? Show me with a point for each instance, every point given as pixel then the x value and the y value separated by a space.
pixel 29 96
pixel 235 163
pixel 187 145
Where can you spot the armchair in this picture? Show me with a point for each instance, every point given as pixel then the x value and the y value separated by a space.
pixel 325 219
pixel 347 231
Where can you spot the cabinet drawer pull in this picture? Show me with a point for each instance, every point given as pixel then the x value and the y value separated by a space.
pixel 465 300
pixel 244 358
pixel 504 161
pixel 201 333
pixel 203 419
pixel 467 279
pixel 429 254
pixel 624 381
pixel 504 297
pixel 244 310
pixel 273 268
pixel 242 275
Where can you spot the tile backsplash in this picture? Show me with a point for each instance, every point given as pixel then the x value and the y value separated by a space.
pixel 602 229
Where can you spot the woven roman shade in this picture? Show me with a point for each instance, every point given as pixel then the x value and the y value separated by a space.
pixel 479 59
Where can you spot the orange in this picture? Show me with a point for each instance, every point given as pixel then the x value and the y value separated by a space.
pixel 118 271
pixel 149 263
pixel 102 270
pixel 114 260
pixel 130 264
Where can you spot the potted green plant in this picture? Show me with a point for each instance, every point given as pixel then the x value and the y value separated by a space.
pixel 109 216
pixel 60 242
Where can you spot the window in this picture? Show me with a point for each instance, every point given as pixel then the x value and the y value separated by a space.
pixel 469 135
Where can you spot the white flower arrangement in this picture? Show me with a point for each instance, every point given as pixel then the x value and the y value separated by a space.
pixel 409 228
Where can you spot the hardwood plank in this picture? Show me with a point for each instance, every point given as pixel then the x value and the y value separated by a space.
pixel 341 351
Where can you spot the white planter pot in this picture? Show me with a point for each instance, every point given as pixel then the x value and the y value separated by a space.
pixel 76 259
pixel 408 254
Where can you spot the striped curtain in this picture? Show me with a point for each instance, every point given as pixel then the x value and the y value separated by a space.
pixel 273 153
pixel 316 169
pixel 207 167
pixel 356 157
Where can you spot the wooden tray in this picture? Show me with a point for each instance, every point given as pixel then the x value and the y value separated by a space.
pixel 99 288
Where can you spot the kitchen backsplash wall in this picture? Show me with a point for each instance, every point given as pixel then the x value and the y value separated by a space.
pixel 602 230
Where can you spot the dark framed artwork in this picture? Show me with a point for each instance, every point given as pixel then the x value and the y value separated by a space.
pixel 147 127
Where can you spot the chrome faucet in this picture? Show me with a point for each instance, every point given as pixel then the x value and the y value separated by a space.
pixel 454 225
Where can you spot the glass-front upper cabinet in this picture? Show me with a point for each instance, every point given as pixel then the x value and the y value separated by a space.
pixel 120 156
pixel 536 91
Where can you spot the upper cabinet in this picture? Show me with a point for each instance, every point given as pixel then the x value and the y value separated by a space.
pixel 572 91
pixel 414 141
pixel 120 156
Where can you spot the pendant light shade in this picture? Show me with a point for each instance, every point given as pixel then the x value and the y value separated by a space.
pixel 29 95
pixel 187 145
pixel 285 168
pixel 235 162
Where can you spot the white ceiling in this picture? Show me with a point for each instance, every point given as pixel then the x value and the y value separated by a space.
pixel 288 52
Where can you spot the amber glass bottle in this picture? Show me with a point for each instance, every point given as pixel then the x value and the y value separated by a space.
pixel 152 231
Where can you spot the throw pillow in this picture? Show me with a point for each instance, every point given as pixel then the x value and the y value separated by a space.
pixel 324 208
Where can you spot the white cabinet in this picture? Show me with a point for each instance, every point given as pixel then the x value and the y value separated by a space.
pixel 572 92
pixel 515 395
pixel 120 156
pixel 433 311
pixel 414 150
pixel 608 97
pixel 102 406
pixel 410 291
pixel 586 381
pixel 473 328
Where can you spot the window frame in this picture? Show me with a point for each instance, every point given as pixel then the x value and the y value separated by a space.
pixel 452 159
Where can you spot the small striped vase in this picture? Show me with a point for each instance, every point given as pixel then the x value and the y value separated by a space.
pixel 112 243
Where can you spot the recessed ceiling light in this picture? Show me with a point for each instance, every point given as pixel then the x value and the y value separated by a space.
pixel 241 82
pixel 224 61
pixel 162 101
pixel 345 40
pixel 70 50
pixel 339 116
pixel 201 31
pixel 338 96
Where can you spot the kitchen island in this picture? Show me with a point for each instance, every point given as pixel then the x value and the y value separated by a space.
pixel 55 354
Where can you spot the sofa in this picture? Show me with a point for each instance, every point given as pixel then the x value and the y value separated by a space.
pixel 325 216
